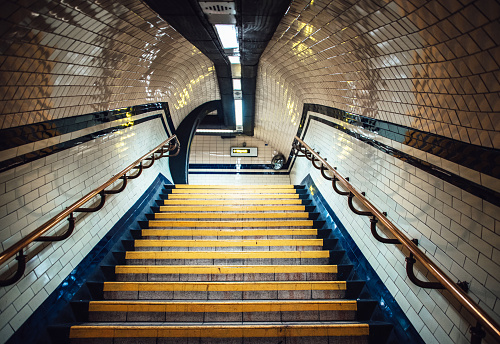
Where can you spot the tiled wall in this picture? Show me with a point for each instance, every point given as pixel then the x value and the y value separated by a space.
pixel 456 229
pixel 238 179
pixel 62 59
pixel 431 65
pixel 32 193
pixel 208 149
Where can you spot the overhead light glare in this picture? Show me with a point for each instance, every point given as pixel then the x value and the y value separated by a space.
pixel 234 59
pixel 227 35
pixel 238 110
pixel 237 84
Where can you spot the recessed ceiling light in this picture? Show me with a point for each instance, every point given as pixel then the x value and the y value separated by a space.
pixel 227 35
pixel 234 59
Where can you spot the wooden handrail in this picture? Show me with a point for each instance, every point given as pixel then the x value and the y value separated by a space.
pixel 171 143
pixel 481 316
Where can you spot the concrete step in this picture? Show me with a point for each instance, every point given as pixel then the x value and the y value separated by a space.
pixel 236 216
pixel 229 190
pixel 253 333
pixel 231 224
pixel 288 233
pixel 245 202
pixel 222 311
pixel 173 273
pixel 265 187
pixel 227 258
pixel 280 290
pixel 229 245
pixel 232 208
pixel 233 196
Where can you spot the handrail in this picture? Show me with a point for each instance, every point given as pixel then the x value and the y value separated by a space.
pixel 167 146
pixel 455 289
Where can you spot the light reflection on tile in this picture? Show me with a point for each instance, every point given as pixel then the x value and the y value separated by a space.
pixel 430 66
pixel 77 57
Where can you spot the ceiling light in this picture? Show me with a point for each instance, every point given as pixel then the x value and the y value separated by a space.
pixel 227 35
pixel 238 109
pixel 236 84
pixel 234 59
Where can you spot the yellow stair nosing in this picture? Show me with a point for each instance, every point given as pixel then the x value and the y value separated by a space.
pixel 229 202
pixel 228 243
pixel 223 306
pixel 221 215
pixel 221 223
pixel 229 232
pixel 221 331
pixel 225 286
pixel 224 255
pixel 223 269
pixel 271 186
pixel 225 208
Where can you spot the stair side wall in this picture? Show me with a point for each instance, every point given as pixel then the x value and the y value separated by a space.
pixel 456 229
pixel 41 189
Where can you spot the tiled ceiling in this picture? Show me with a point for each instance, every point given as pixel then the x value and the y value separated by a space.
pixel 62 59
pixel 430 65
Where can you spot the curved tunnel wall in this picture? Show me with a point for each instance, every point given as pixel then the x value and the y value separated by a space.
pixel 66 60
pixel 430 66
pixel 62 59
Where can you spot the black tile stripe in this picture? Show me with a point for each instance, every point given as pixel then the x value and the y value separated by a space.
pixel 454 179
pixel 481 159
pixel 35 155
pixel 21 135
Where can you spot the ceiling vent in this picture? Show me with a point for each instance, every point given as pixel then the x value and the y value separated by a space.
pixel 219 7
pixel 219 12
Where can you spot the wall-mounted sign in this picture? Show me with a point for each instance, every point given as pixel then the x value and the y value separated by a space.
pixel 244 151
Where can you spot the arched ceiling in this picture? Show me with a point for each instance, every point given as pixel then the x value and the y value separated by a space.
pixel 62 59
pixel 431 65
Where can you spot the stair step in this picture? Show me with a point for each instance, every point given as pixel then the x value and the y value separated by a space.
pixel 235 196
pixel 226 232
pixel 223 311
pixel 226 258
pixel 265 187
pixel 242 209
pixel 232 191
pixel 229 202
pixel 225 272
pixel 231 224
pixel 233 245
pixel 225 290
pixel 317 333
pixel 219 215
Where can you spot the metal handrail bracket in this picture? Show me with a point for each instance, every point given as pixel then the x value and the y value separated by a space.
pixel 167 146
pixel 457 290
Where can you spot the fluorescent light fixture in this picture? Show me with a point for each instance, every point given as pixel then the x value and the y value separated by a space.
pixel 237 84
pixel 234 59
pixel 221 131
pixel 227 35
pixel 238 110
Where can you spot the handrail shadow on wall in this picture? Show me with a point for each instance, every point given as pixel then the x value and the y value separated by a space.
pixel 458 290
pixel 168 148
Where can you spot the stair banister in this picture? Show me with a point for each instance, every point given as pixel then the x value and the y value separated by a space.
pixel 167 146
pixel 484 320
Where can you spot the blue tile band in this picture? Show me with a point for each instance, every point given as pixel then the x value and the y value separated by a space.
pixel 36 328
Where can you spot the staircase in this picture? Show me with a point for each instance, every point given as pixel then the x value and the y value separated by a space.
pixel 239 264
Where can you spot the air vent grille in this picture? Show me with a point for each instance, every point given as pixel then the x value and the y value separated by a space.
pixel 221 7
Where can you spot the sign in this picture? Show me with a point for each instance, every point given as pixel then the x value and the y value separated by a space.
pixel 244 151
